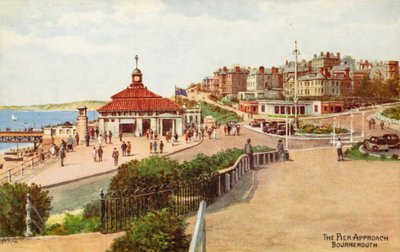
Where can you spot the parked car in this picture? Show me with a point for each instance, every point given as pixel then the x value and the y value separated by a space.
pixel 392 140
pixel 257 122
pixel 376 144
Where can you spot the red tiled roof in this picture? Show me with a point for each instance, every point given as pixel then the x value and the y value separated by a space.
pixel 141 104
pixel 130 93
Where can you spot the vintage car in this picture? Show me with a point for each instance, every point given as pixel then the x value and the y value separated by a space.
pixel 376 144
pixel 392 140
pixel 257 123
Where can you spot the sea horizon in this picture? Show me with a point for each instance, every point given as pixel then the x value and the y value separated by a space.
pixel 35 119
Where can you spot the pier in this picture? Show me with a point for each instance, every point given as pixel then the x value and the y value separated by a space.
pixel 18 136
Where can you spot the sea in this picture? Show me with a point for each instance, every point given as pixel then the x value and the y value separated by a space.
pixel 35 119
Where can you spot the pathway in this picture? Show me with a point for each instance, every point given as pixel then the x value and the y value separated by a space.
pixel 296 202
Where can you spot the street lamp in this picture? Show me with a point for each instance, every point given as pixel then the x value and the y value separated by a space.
pixel 362 123
pixel 351 127
pixel 334 131
pixel 296 52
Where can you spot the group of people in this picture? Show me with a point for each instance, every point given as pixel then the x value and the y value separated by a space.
pixel 231 129
pixel 126 148
pixel 154 145
pixel 372 123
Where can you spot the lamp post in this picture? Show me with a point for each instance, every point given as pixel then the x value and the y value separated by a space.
pixel 296 52
pixel 362 124
pixel 351 127
pixel 287 122
pixel 334 131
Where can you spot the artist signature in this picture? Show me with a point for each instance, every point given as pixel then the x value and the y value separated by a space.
pixel 8 240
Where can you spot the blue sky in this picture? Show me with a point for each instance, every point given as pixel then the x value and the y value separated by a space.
pixel 60 51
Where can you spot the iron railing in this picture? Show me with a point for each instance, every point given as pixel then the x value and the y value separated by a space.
pixel 119 208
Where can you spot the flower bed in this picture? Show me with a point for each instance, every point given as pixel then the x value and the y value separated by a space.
pixel 323 129
pixel 392 113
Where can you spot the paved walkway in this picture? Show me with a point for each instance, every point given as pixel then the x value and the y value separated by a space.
pixel 296 202
pixel 80 164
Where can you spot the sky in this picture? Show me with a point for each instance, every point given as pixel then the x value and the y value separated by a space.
pixel 55 51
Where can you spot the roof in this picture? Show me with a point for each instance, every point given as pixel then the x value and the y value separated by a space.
pixel 135 93
pixel 141 104
pixel 312 76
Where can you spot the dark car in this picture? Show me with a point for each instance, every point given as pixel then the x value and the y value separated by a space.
pixel 257 122
pixel 376 144
pixel 392 140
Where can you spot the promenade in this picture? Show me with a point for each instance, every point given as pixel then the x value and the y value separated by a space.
pixel 79 164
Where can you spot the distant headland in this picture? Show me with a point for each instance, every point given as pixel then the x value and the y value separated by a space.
pixel 91 105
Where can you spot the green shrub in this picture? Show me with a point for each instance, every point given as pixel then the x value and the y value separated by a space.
pixel 13 198
pixel 91 209
pixel 393 113
pixel 383 156
pixel 75 224
pixel 156 231
pixel 365 155
pixel 395 156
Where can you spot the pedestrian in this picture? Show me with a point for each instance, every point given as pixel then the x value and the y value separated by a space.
pixel 214 134
pixel 97 132
pixel 229 129
pixel 339 146
pixel 41 156
pixel 382 125
pixel 123 148
pixel 128 148
pixel 115 156
pixel 156 136
pixel 100 139
pixel 53 150
pixel 161 146
pixel 109 136
pixel 92 133
pixel 87 139
pixel 77 138
pixel 147 134
pixel 155 147
pixel 120 136
pixel 100 153
pixel 369 124
pixel 151 147
pixel 105 137
pixel 248 149
pixel 373 123
pixel 94 154
pixel 70 143
pixel 237 129
pixel 64 144
pixel 280 149
pixel 187 136
pixel 225 129
pixel 151 134
pixel 62 155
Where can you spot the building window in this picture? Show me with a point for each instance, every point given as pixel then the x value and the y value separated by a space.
pixel 262 108
pixel 254 108
pixel 282 110
pixel 302 110
pixel 276 109
pixel 315 108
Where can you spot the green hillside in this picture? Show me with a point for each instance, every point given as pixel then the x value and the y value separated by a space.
pixel 91 105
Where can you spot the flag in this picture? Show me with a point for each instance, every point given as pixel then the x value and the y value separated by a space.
pixel 180 91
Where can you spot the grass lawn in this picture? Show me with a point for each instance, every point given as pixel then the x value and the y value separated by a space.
pixel 355 154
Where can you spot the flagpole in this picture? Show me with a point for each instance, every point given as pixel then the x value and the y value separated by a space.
pixel 175 93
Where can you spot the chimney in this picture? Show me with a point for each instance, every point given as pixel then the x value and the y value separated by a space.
pixel 274 70
pixel 322 53
pixel 315 55
pixel 225 69
pixel 237 69
pixel 338 55
pixel 328 55
pixel 261 69
pixel 286 62
pixel 347 72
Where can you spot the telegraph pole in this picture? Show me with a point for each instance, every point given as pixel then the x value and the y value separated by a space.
pixel 296 52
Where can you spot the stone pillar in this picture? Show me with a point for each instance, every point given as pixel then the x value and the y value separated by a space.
pixel 139 125
pixel 161 128
pixel 82 123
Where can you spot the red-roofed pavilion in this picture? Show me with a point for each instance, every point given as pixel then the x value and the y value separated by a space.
pixel 136 109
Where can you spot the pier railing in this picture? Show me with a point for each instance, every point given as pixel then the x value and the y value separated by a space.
pixel 23 167
pixel 119 208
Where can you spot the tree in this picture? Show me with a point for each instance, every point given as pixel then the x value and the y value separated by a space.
pixel 13 198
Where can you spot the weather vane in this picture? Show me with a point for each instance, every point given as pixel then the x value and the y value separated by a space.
pixel 137 59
